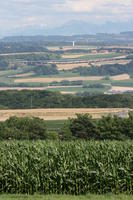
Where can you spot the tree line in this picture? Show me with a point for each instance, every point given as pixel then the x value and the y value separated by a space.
pixel 105 70
pixel 48 99
pixel 82 127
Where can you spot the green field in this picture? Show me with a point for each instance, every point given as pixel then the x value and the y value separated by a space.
pixel 55 125
pixel 63 197
pixel 6 80
pixel 79 90
pixel 100 56
pixel 75 167
pixel 126 83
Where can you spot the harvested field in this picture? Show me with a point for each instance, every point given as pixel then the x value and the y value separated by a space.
pixel 121 77
pixel 37 88
pixel 82 54
pixel 71 66
pixel 121 89
pixel 58 79
pixel 60 114
pixel 122 62
pixel 73 55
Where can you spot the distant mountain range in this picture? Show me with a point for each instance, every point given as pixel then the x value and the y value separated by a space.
pixel 74 28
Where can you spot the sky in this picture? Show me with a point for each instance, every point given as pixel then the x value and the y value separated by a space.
pixel 15 14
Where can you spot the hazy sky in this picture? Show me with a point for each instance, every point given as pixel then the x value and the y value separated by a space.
pixel 21 13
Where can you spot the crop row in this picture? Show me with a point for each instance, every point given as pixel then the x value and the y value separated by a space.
pixel 76 167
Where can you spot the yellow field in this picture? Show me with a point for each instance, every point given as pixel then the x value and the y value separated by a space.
pixel 59 114
pixel 58 79
pixel 121 89
pixel 111 62
pixel 71 66
pixel 78 55
pixel 85 64
pixel 73 55
pixel 121 77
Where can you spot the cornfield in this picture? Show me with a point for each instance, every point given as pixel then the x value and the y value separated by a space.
pixel 76 167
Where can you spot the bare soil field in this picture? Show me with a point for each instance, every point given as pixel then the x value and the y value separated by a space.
pixel 121 89
pixel 121 77
pixel 58 79
pixel 71 66
pixel 59 114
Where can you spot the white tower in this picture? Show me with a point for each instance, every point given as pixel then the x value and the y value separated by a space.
pixel 73 43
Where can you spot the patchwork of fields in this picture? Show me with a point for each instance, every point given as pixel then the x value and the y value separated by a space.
pixel 55 167
pixel 25 78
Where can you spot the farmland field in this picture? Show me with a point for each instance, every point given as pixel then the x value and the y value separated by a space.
pixel 121 89
pixel 121 77
pixel 66 197
pixel 76 167
pixel 71 66
pixel 67 58
pixel 100 56
pixel 58 79
pixel 59 114
pixel 122 62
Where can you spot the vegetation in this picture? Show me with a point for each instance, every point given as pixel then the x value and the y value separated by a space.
pixel 34 56
pixel 46 69
pixel 66 168
pixel 66 83
pixel 106 128
pixel 23 129
pixel 47 99
pixel 66 197
pixel 13 47
pixel 106 70
pixel 3 64
pixel 82 127
pixel 96 85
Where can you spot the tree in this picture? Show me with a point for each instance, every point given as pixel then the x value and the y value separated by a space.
pixel 84 127
pixel 65 133
pixel 27 128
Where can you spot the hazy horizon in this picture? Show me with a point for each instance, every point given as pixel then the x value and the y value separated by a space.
pixel 45 15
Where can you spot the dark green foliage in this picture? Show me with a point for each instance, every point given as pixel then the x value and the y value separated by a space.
pixel 23 128
pixel 105 70
pixel 18 47
pixel 106 128
pixel 83 127
pixel 96 85
pixel 65 133
pixel 67 83
pixel 3 64
pixel 47 99
pixel 113 128
pixel 46 69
